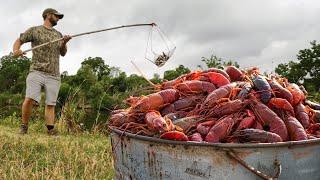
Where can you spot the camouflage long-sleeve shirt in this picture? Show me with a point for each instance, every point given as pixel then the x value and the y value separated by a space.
pixel 44 59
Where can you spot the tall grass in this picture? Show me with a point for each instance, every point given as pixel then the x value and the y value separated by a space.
pixel 74 154
pixel 39 156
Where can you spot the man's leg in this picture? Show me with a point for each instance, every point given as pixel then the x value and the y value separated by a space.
pixel 33 93
pixel 52 85
pixel 26 110
pixel 49 115
pixel 26 113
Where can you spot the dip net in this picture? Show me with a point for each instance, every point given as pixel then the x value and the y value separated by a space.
pixel 159 48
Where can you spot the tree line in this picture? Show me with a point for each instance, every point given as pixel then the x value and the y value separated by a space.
pixel 99 86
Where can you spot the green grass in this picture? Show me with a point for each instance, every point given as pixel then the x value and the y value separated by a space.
pixel 39 156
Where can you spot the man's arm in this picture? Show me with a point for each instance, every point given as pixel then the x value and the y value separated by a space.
pixel 27 36
pixel 63 48
pixel 16 48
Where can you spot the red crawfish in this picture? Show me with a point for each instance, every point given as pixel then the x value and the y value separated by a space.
pixel 132 100
pixel 280 91
pixel 281 104
pixel 220 93
pixel 234 73
pixel 257 125
pixel 155 101
pixel 204 127
pixel 196 137
pixel 184 104
pixel 314 115
pixel 311 136
pixel 246 87
pixel 303 89
pixel 313 129
pixel 157 123
pixel 176 115
pixel 191 76
pixel 269 119
pixel 222 128
pixel 216 78
pixel 263 87
pixel 224 73
pixel 137 128
pixel 297 94
pixel 226 108
pixel 171 84
pixel 313 105
pixel 257 136
pixel 302 115
pixel 174 135
pixel 187 122
pixel 120 117
pixel 252 70
pixel 295 129
pixel 247 121
pixel 195 87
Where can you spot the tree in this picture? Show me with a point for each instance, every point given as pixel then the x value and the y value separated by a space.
pixel 115 71
pixel 95 95
pixel 135 82
pixel 212 61
pixel 310 60
pixel 119 83
pixel 156 79
pixel 307 66
pixel 85 78
pixel 13 73
pixel 64 92
pixel 292 70
pixel 231 63
pixel 172 74
pixel 216 62
pixel 98 66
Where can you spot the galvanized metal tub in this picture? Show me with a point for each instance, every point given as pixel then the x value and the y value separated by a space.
pixel 141 157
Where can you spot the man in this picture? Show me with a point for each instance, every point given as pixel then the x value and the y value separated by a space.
pixel 44 69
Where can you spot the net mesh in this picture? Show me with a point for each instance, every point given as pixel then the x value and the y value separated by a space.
pixel 159 48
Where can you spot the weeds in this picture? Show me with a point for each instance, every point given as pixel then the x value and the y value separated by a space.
pixel 74 154
pixel 38 156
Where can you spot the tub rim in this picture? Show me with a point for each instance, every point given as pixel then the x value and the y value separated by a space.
pixel 288 144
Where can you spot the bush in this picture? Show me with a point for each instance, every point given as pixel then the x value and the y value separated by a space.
pixel 10 99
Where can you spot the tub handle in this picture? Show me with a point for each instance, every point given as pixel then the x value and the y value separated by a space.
pixel 233 155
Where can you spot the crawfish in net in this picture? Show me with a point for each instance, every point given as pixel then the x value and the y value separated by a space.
pixel 159 58
pixel 162 58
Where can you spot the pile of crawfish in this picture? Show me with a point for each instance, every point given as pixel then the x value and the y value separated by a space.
pixel 226 106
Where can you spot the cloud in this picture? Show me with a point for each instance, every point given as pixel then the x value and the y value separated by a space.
pixel 254 33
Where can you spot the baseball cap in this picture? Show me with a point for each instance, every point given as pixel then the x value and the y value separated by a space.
pixel 52 11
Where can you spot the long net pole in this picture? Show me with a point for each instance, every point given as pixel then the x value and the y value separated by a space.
pixel 86 33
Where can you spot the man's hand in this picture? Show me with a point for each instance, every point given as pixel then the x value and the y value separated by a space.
pixel 18 53
pixel 66 38
pixel 63 48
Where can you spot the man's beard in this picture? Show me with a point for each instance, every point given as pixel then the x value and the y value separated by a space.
pixel 53 22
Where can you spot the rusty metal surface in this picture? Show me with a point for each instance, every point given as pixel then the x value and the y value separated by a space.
pixel 140 157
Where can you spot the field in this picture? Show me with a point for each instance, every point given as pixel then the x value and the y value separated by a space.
pixel 39 156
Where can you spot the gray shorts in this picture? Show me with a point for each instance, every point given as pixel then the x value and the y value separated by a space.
pixel 51 84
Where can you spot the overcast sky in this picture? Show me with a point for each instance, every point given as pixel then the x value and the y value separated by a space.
pixel 253 33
